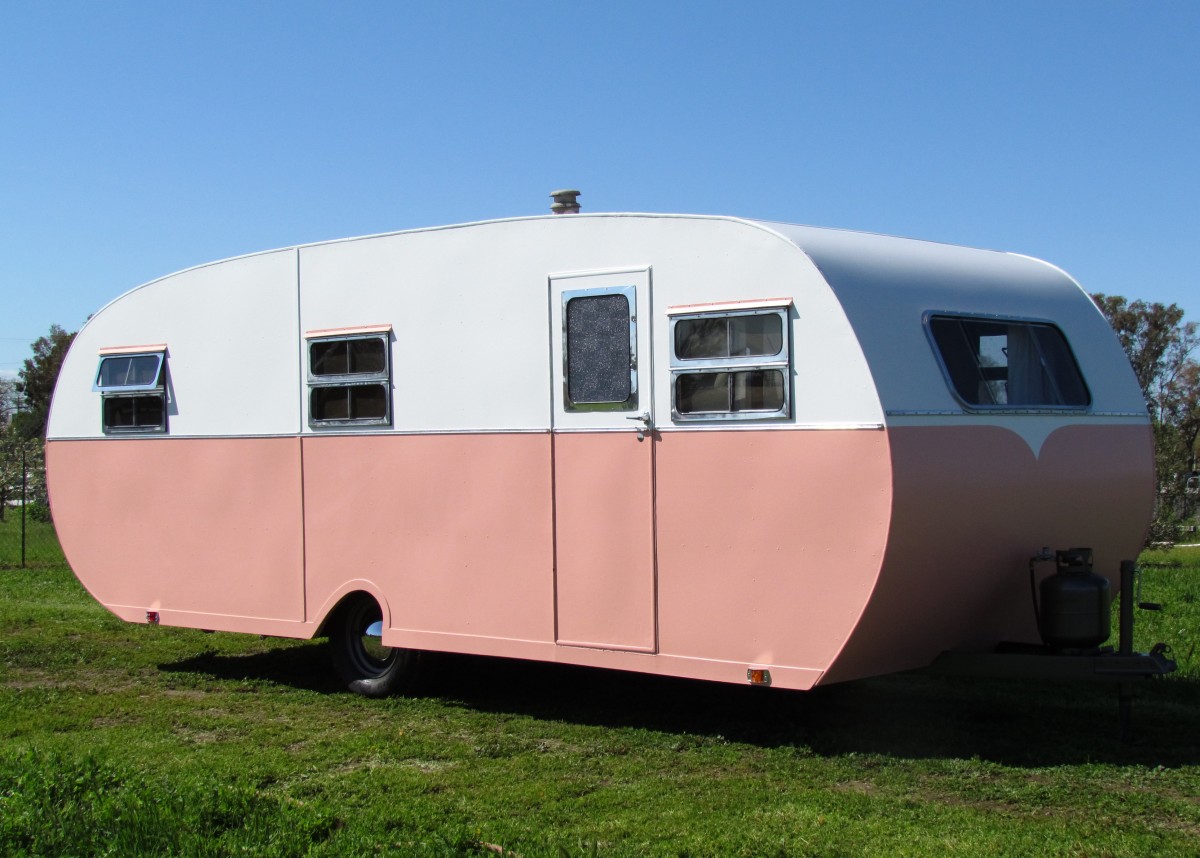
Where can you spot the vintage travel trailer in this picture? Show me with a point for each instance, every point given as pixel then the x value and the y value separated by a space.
pixel 699 446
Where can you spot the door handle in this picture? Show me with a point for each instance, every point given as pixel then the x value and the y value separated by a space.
pixel 647 424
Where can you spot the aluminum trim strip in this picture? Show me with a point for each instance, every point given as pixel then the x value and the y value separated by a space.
pixel 347 332
pixel 720 306
pixel 131 350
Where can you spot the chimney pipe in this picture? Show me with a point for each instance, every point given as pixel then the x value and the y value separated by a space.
pixel 565 202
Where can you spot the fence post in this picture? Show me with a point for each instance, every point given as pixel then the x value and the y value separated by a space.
pixel 24 503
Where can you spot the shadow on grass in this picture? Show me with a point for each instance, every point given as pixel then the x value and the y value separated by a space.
pixel 912 716
pixel 304 665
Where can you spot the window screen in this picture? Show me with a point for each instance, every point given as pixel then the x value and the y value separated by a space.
pixel 1008 364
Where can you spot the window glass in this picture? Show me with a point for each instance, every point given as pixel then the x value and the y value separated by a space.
pixel 328 358
pixel 347 357
pixel 598 349
pixel 699 392
pixel 1008 364
pixel 352 402
pixel 368 401
pixel 729 336
pixel 134 413
pixel 129 371
pixel 733 392
pixel 700 338
pixel 756 390
pixel 329 403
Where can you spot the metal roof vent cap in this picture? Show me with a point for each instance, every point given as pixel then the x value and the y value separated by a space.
pixel 565 202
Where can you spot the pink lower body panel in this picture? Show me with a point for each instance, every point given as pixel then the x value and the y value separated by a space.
pixel 769 544
pixel 817 555
pixel 455 532
pixel 207 533
pixel 972 505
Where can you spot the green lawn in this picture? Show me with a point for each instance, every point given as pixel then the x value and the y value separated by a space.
pixel 134 740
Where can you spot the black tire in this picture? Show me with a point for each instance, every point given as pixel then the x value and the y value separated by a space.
pixel 364 664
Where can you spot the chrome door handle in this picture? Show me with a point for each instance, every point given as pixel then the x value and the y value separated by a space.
pixel 647 424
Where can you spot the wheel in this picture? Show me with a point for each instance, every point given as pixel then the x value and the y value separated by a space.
pixel 364 664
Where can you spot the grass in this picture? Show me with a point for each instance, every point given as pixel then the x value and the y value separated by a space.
pixel 121 739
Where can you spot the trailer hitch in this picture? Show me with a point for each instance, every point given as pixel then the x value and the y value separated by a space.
pixel 1034 661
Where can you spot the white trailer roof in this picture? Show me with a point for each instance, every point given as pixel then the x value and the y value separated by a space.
pixel 887 286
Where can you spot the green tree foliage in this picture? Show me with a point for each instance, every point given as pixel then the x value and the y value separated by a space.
pixel 38 377
pixel 1160 346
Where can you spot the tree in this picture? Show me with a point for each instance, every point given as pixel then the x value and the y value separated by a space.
pixel 1160 345
pixel 38 377
pixel 8 401
pixel 23 429
pixel 8 409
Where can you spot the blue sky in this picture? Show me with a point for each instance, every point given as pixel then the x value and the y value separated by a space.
pixel 138 138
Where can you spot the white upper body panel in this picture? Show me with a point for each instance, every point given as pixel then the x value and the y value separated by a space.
pixel 470 310
pixel 470 320
pixel 230 331
pixel 469 314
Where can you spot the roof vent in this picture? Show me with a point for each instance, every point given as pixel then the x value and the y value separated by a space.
pixel 565 202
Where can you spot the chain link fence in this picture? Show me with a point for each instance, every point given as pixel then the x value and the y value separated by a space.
pixel 27 537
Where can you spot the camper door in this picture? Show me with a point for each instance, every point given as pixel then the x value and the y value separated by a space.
pixel 603 448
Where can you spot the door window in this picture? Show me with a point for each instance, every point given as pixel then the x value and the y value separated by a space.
pixel 600 349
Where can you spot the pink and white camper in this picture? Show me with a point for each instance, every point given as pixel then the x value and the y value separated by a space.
pixel 698 446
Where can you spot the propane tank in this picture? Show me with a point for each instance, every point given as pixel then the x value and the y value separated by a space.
pixel 1075 603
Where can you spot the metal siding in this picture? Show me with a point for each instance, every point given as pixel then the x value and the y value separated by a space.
pixel 231 336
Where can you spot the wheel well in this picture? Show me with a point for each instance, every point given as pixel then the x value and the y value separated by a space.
pixel 348 599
